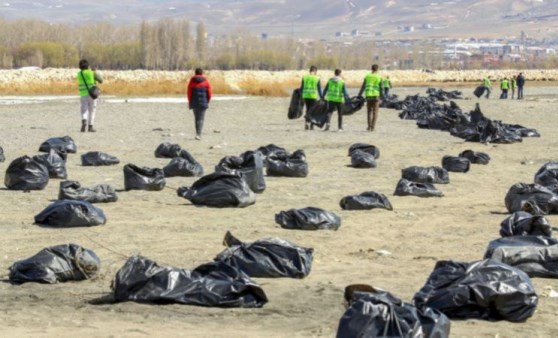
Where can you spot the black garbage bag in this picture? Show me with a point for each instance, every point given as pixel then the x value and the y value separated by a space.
pixel 426 174
pixel 317 115
pixel 267 258
pixel 213 284
pixel 380 314
pixel 532 198
pixel 55 164
pixel 392 102
pixel 309 218
pixel 136 178
pixel 219 190
pixel 288 165
pixel 523 131
pixel 410 188
pixel 250 164
pixel 365 201
pixel 64 145
pixel 2 157
pixel 361 159
pixel 296 105
pixel 547 175
pixel 456 164
pixel 367 148
pixel 353 105
pixel 442 95
pixel 24 173
pixel 98 158
pixel 60 263
pixel 475 157
pixel 479 91
pixel 167 150
pixel 486 289
pixel 522 223
pixel 537 256
pixel 180 166
pixel 100 193
pixel 271 149
pixel 68 213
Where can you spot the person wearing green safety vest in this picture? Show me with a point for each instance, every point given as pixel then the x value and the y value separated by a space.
pixel 504 86
pixel 311 91
pixel 373 91
pixel 386 84
pixel 87 78
pixel 335 94
pixel 513 84
pixel 487 85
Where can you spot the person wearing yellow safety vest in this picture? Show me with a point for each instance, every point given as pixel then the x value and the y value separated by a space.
pixel 311 90
pixel 87 78
pixel 504 86
pixel 513 84
pixel 386 84
pixel 487 85
pixel 373 91
pixel 335 94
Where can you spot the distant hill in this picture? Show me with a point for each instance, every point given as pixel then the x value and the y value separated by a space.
pixel 312 18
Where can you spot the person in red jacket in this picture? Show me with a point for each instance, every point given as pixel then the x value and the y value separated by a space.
pixel 199 95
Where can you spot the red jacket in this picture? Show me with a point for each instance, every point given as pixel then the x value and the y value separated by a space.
pixel 199 92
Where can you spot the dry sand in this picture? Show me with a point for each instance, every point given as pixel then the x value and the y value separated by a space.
pixel 168 229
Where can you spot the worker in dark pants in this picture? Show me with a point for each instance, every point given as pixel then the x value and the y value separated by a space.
pixel 372 89
pixel 520 83
pixel 311 90
pixel 335 94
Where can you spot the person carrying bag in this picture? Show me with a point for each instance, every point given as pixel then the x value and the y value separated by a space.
pixel 89 92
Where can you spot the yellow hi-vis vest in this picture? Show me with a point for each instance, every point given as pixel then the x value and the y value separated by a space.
pixel 310 86
pixel 89 77
pixel 486 82
pixel 504 84
pixel 372 84
pixel 335 91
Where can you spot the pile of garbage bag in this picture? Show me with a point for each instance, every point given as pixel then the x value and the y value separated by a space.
pixel 547 176
pixel 380 314
pixel 442 95
pixel 214 284
pixel 183 167
pixel 24 173
pixel 486 289
pixel 522 223
pixel 409 188
pixel 56 264
pixel 56 165
pixel 287 165
pixel 136 178
pixel 296 105
pixel 268 258
pixel 100 193
pixel 68 213
pixel 537 256
pixel 219 190
pixel 353 105
pixel 392 102
pixel 365 201
pixel 250 164
pixel 532 198
pixel 426 174
pixel 456 164
pixel 64 145
pixel 271 149
pixel 309 218
pixel 475 157
pixel 98 158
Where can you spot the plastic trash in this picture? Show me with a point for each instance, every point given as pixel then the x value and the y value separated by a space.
pixel 486 289
pixel 296 105
pixel 353 105
pixel 532 198
pixel 391 102
pixel 456 164
pixel 309 218
pixel 380 314
pixel 100 193
pixel 136 178
pixel 442 95
pixel 547 175
pixel 98 158
pixel 213 284
pixel 317 115
pixel 179 166
pixel 24 173
pixel 522 223
pixel 365 201
pixel 168 150
pixel 362 159
pixel 367 148
pixel 294 165
pixel 68 213
pixel 60 263
pixel 479 91
pixel 268 258
pixel 250 164
pixel 2 157
pixel 537 256
pixel 55 164
pixel 63 144
pixel 475 157
pixel 220 190
pixel 408 188
pixel 426 174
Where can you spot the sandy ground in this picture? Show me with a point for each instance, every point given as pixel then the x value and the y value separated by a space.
pixel 166 228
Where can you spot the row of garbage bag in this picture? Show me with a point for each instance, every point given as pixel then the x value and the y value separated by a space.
pixel 318 114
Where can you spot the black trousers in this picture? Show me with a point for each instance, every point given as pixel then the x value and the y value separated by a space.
pixel 199 114
pixel 309 103
pixel 331 107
